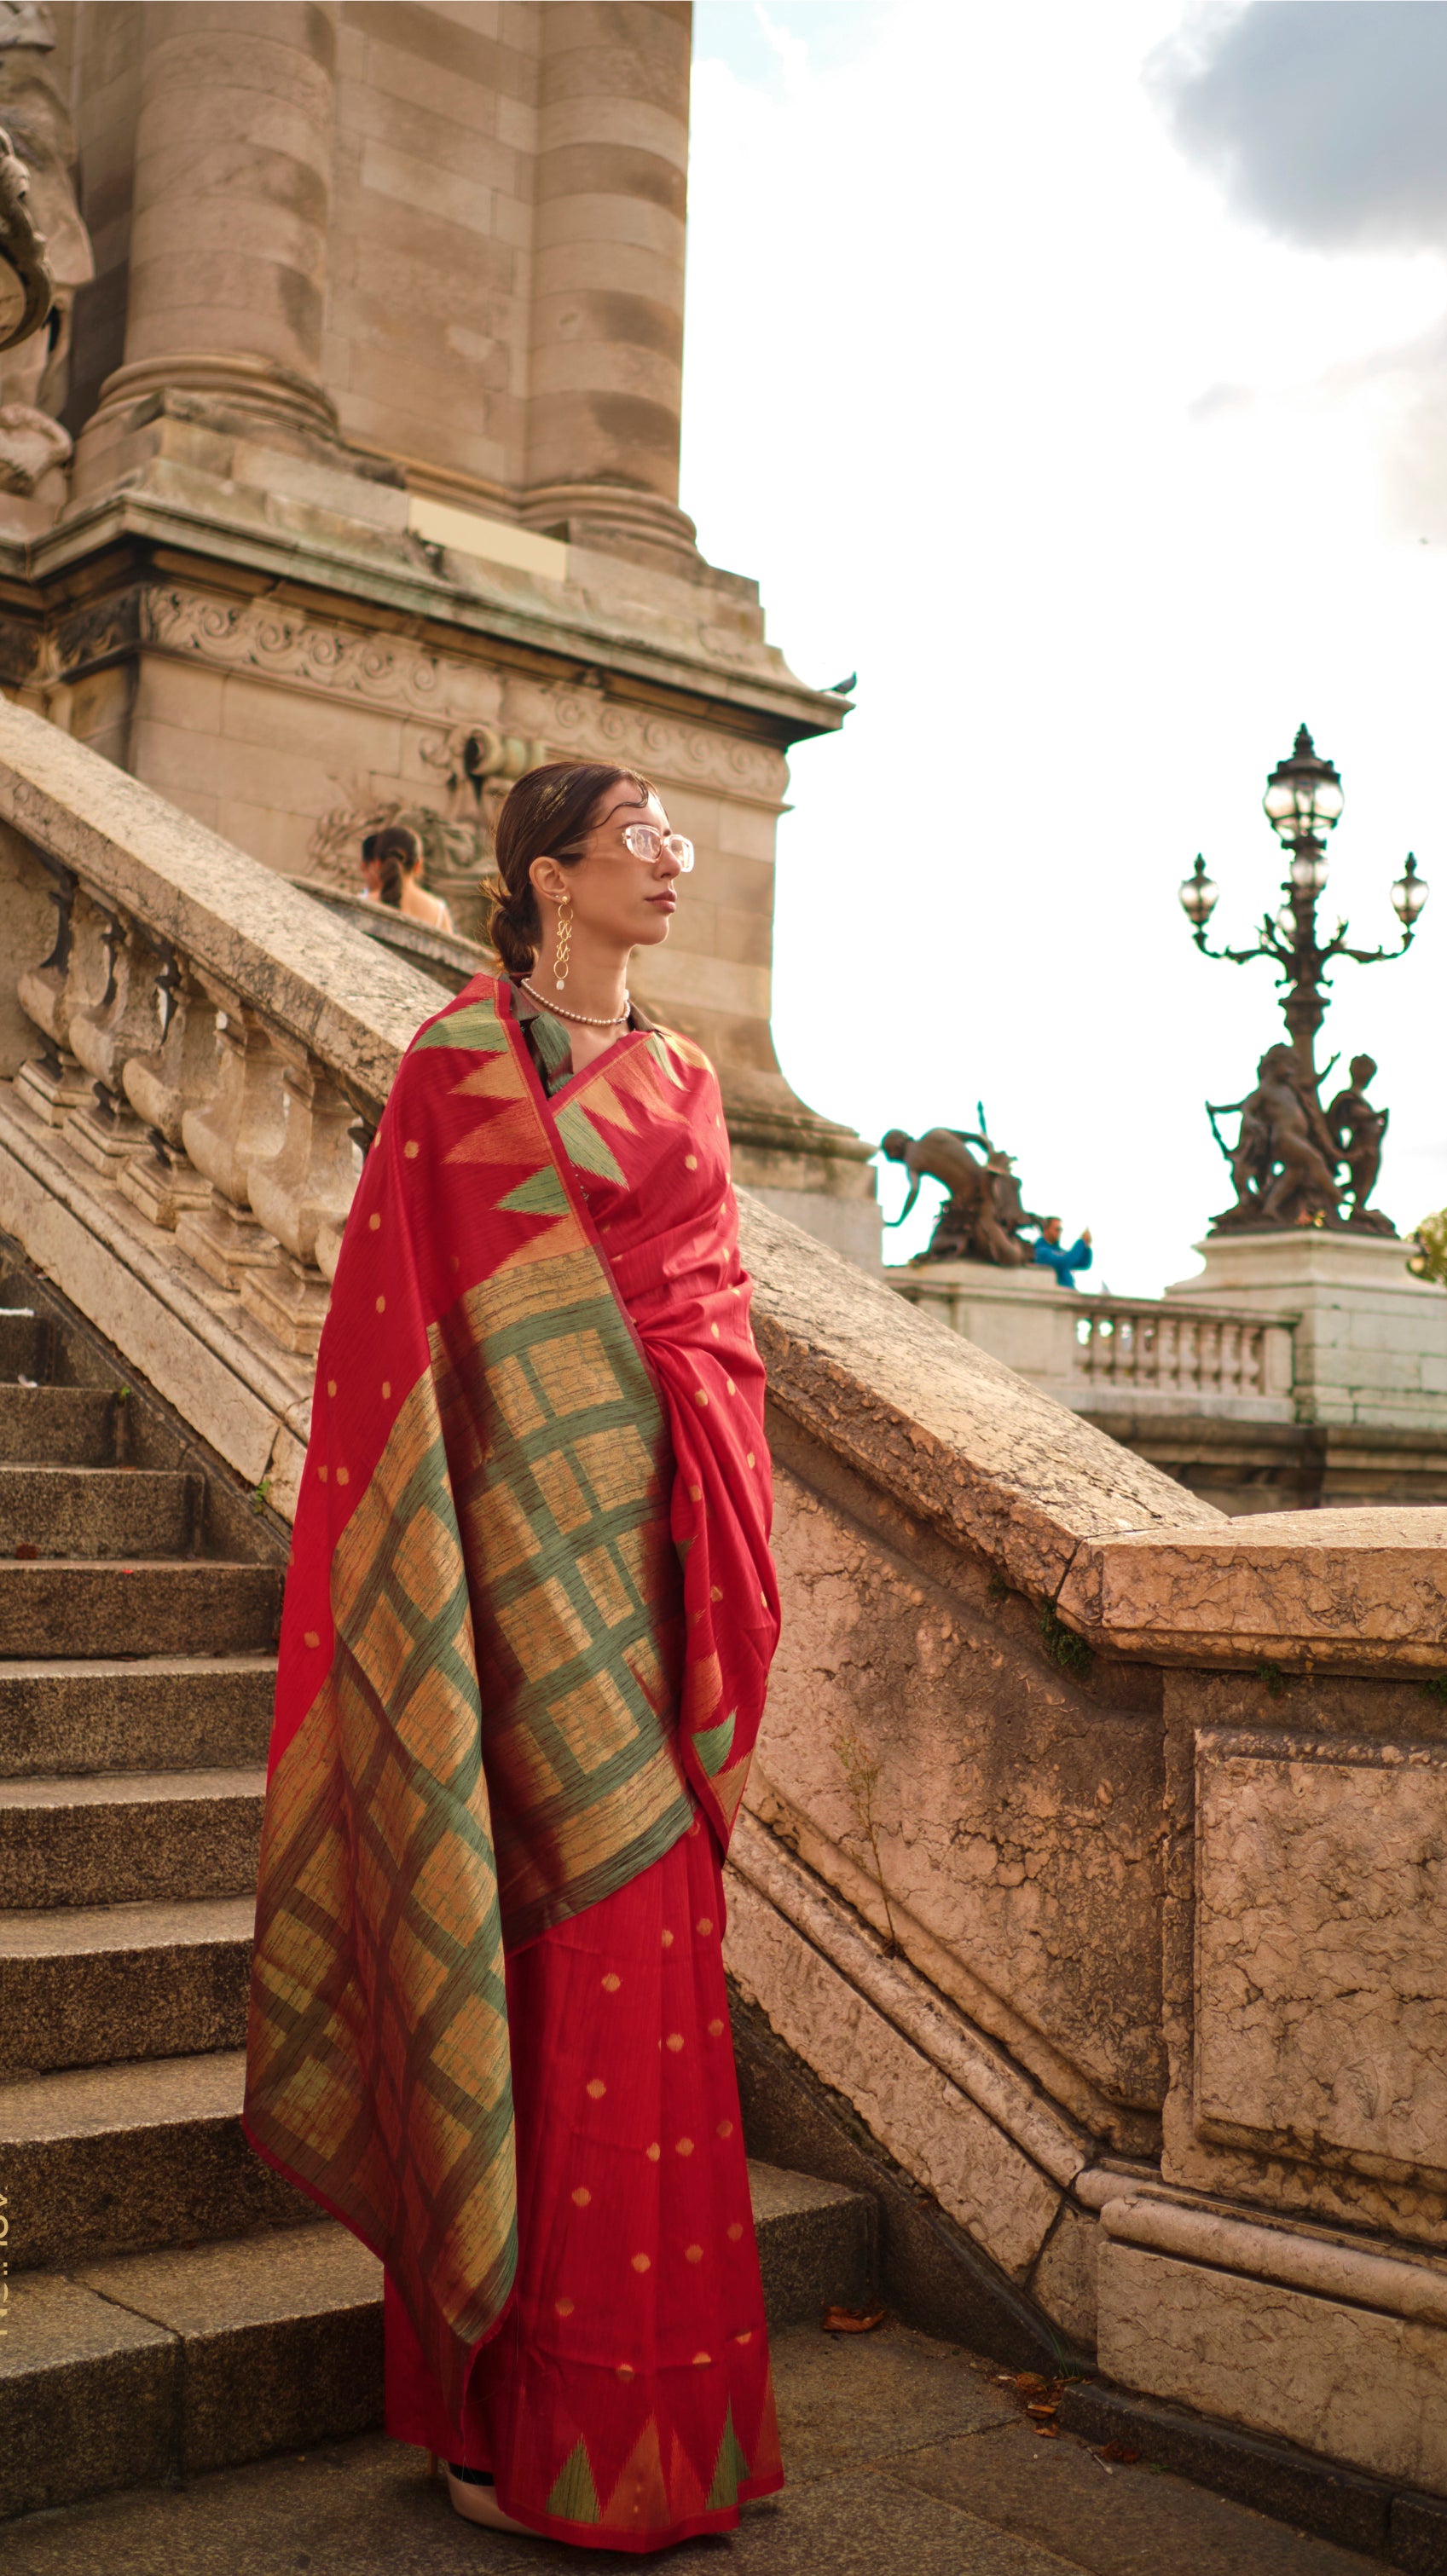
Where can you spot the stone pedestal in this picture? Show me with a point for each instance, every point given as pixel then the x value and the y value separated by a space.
pixel 1371 1341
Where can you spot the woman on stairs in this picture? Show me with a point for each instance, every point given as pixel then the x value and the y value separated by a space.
pixel 528 1625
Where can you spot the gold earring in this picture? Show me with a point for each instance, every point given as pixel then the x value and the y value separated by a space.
pixel 564 944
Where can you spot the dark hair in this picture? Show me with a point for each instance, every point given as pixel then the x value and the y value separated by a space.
pixel 397 851
pixel 546 815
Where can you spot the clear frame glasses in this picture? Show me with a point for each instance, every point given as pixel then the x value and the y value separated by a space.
pixel 647 843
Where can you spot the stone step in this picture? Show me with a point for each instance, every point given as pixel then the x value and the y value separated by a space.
pixel 112 2159
pixel 98 1511
pixel 25 1343
pixel 155 2366
pixel 164 1713
pixel 64 1605
pixel 58 1426
pixel 152 2366
pixel 129 1837
pixel 89 1985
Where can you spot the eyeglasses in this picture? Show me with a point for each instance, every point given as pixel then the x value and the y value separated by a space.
pixel 647 842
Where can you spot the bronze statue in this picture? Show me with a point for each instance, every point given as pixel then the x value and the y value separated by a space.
pixel 983 1214
pixel 1359 1128
pixel 1287 1158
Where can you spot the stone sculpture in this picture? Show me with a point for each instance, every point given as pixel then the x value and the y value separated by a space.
pixel 1288 1159
pixel 33 367
pixel 982 1218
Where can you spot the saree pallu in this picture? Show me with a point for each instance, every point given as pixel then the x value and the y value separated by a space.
pixel 527 1632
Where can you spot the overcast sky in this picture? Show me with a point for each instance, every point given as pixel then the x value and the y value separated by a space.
pixel 1079 376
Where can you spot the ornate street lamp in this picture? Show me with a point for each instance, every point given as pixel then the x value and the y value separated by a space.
pixel 1291 1152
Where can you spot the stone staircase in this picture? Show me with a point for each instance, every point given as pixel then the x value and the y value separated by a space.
pixel 170 2305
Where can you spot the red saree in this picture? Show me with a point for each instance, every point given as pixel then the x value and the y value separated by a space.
pixel 527 1633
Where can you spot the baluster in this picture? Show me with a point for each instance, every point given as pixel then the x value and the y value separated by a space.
pixel 329 1234
pixel 102 1034
pixel 304 1187
pixel 241 1124
pixel 161 1085
pixel 53 1083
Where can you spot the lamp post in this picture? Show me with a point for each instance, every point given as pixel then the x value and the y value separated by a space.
pixel 1286 1165
pixel 1302 803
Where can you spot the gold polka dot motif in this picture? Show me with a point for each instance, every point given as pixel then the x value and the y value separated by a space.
pixel 411 1150
pixel 704 1926
pixel 375 1222
pixel 331 1386
pixel 642 2263
pixel 595 2088
pixel 690 1162
pixel 674 2041
pixel 725 2129
pixel 683 2147
pixel 693 2253
pixel 311 1638
pixel 734 2231
pixel 582 2196
pixel 654 2152
pixel 611 1983
pixel 562 2307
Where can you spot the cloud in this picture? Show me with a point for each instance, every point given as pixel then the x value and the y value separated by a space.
pixel 1321 119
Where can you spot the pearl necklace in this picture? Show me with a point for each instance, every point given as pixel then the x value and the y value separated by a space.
pixel 585 1019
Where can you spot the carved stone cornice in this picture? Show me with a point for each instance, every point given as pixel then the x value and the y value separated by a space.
pixel 397 676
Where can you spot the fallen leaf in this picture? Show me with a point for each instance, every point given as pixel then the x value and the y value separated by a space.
pixel 1119 2451
pixel 849 2321
pixel 1030 2383
pixel 1043 2410
pixel 27 1550
pixel 1048 2432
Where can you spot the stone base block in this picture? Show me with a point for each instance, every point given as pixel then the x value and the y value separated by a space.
pixel 224 1244
pixel 291 1300
pixel 104 1141
pixel 163 1190
pixel 51 1090
pixel 1349 2383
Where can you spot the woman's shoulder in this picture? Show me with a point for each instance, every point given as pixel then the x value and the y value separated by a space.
pixel 472 1020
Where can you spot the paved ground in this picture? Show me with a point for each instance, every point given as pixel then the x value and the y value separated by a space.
pixel 905 2457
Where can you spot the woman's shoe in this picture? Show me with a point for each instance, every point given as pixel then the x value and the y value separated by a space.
pixel 476 2501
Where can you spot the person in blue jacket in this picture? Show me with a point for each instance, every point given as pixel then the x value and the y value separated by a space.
pixel 1052 1252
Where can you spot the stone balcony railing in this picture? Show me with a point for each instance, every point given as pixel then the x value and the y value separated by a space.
pixel 1109 1354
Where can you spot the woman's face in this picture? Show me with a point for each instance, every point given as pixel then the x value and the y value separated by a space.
pixel 625 901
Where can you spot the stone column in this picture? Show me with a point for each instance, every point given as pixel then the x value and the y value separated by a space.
pixel 232 193
pixel 610 198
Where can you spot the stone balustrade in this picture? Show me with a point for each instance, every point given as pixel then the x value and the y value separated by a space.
pixel 1103 1354
pixel 169 1036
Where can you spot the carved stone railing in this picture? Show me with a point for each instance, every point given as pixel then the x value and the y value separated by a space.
pixel 1107 1353
pixel 193 1054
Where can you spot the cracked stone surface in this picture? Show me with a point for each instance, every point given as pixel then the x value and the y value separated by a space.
pixel 1350 2383
pixel 1322 1945
pixel 905 2457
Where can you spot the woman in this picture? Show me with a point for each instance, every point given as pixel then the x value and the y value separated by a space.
pixel 392 873
pixel 528 1625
